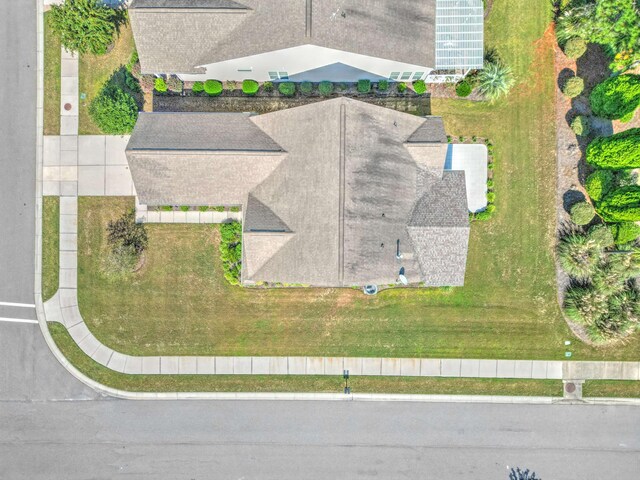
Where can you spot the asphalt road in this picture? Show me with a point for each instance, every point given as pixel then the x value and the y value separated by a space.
pixel 17 156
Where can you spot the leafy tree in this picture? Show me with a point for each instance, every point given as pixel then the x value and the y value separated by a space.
pixel 598 184
pixel 114 111
pixel 626 233
pixel 619 151
pixel 84 26
pixel 495 80
pixel 616 97
pixel 125 231
pixel 612 23
pixel 621 205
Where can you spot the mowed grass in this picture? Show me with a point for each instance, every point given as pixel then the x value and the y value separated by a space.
pixel 96 70
pixel 50 246
pixel 52 62
pixel 295 383
pixel 179 303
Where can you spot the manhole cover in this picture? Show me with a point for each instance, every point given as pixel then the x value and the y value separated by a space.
pixel 570 387
pixel 67 106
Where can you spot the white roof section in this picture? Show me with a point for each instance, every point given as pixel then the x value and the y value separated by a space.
pixel 459 34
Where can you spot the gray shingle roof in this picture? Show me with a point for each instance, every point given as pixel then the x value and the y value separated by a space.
pixel 178 37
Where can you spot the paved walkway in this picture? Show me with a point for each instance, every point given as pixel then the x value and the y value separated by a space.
pixel 95 165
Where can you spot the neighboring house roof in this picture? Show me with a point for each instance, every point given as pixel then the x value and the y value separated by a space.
pixel 337 204
pixel 178 37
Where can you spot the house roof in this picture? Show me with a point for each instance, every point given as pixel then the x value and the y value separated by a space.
pixel 337 204
pixel 178 37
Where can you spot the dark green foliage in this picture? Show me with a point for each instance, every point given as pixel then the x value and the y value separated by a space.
pixel 84 26
pixel 267 86
pixel 213 87
pixel 364 86
pixel 581 125
pixel 626 233
pixel 616 96
pixel 288 89
pixel 602 236
pixel 575 47
pixel 621 205
pixel 114 111
pixel 463 89
pixel 383 85
pixel 573 87
pixel 325 88
pixel 174 84
pixel 160 85
pixel 131 82
pixel 126 232
pixel 420 87
pixel 598 184
pixel 619 151
pixel 306 88
pixel 197 87
pixel 250 87
pixel 402 87
pixel 582 213
pixel 231 251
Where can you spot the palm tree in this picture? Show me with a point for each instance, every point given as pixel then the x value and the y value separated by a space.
pixel 579 256
pixel 496 79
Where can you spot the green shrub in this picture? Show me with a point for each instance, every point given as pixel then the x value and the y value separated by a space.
pixel 217 209
pixel 160 85
pixel 601 235
pixel 626 232
pixel 490 183
pixel 267 86
pixel 125 231
pixel 573 87
pixel 84 26
pixel 575 47
pixel 581 126
pixel 174 84
pixel 114 111
pixel 619 151
pixel 288 89
pixel 197 87
pixel 616 96
pixel 383 85
pixel 250 87
pixel 184 208
pixel 627 118
pixel 306 88
pixel 364 86
pixel 231 251
pixel 579 256
pixel 402 87
pixel 166 208
pixel 495 80
pixel 582 213
pixel 463 88
pixel 598 184
pixel 213 87
pixel 621 205
pixel 491 197
pixel 420 87
pixel 484 215
pixel 325 88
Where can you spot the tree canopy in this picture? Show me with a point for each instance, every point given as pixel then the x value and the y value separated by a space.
pixel 619 151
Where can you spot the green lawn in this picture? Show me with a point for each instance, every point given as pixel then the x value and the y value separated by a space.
pixel 95 70
pixel 51 80
pixel 179 304
pixel 283 383
pixel 50 246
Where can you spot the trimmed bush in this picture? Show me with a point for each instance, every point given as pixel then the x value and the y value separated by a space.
pixel 626 233
pixel 160 85
pixel 621 205
pixel 84 26
pixel 306 88
pixel 402 87
pixel 197 87
pixel 581 125
pixel 383 85
pixel 250 87
pixel 364 86
pixel 573 87
pixel 579 256
pixel 420 87
pixel 616 96
pixel 575 47
pixel 491 197
pixel 325 88
pixel 463 89
pixel 231 251
pixel 267 86
pixel 598 184
pixel 288 89
pixel 213 87
pixel 619 151
pixel 602 236
pixel 582 213
pixel 174 84
pixel 114 111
